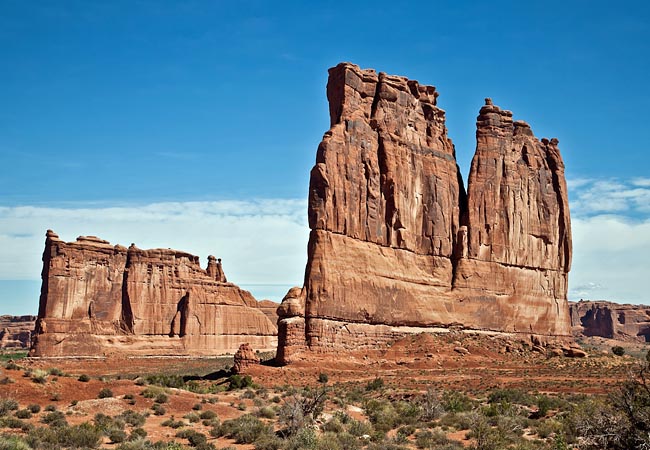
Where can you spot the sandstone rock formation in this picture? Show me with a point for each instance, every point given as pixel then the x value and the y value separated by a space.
pixel 16 331
pixel 244 358
pixel 398 246
pixel 610 320
pixel 100 299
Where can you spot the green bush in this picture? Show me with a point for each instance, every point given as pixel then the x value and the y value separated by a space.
pixel 56 372
pixel 7 405
pixel 105 393
pixel 83 378
pixel 117 436
pixel 244 429
pixel 23 413
pixel 13 443
pixel 323 377
pixel 34 408
pixel 375 384
pixel 618 350
pixel 54 419
pixel 238 382
pixel 158 409
pixel 161 398
pixel 133 418
pixel 208 414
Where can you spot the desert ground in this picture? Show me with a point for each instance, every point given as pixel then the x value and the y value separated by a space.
pixel 423 391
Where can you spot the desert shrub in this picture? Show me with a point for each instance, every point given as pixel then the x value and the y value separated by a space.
pixel 375 384
pixel 381 414
pixel 56 372
pixel 54 419
pixel 357 428
pixel 50 408
pixel 7 405
pixel 192 417
pixel 83 378
pixel 347 441
pixel 161 398
pixel 133 418
pixel 137 433
pixel 171 423
pixel 23 413
pixel 117 436
pixel 12 366
pixel 304 439
pixel 195 438
pixel 302 409
pixel 34 408
pixel 152 391
pixel 105 393
pixel 238 382
pixel 453 401
pixel 158 409
pixel 84 436
pixel 431 406
pixel 39 376
pixel 323 378
pixel 13 443
pixel 516 396
pixel 13 422
pixel 171 381
pixel 244 429
pixel 208 414
pixel 268 442
pixel 618 350
pixel 248 394
pixel 266 412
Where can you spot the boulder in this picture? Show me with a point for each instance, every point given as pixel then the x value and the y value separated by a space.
pixel 244 358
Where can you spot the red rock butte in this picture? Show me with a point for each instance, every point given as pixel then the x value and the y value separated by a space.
pixel 398 246
pixel 99 299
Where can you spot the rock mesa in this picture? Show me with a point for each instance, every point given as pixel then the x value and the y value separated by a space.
pixel 100 299
pixel 397 245
pixel 610 320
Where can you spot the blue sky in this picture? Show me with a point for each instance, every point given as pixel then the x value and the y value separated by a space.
pixel 194 124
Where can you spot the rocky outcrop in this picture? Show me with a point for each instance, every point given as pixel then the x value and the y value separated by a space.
pixel 396 243
pixel 100 299
pixel 244 359
pixel 269 308
pixel 16 331
pixel 610 320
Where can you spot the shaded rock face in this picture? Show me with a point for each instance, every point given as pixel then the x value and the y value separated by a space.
pixel 396 242
pixel 610 320
pixel 16 331
pixel 100 299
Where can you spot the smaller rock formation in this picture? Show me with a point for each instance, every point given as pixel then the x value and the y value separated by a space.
pixel 16 331
pixel 610 320
pixel 245 358
pixel 100 299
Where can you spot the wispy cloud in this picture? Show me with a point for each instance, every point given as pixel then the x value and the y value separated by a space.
pixel 611 239
pixel 260 241
pixel 614 195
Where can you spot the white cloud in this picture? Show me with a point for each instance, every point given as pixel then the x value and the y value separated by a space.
pixel 261 241
pixel 610 259
pixel 597 196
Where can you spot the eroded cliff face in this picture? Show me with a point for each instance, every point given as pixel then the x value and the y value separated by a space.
pixel 99 299
pixel 396 245
pixel 16 331
pixel 610 320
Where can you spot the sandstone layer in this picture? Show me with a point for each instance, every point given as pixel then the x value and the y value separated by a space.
pixel 397 245
pixel 16 331
pixel 100 299
pixel 610 320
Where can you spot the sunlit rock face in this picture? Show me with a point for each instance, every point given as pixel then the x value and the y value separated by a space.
pixel 397 245
pixel 100 299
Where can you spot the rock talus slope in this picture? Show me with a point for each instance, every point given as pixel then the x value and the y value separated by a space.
pixel 100 299
pixel 396 243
